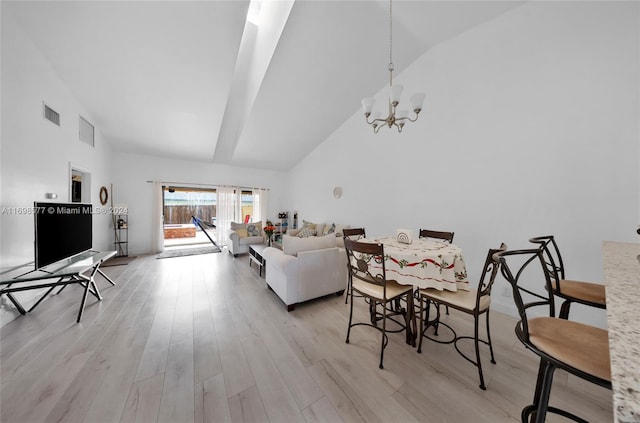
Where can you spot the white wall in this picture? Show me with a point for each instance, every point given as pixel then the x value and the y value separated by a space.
pixel 36 153
pixel 132 171
pixel 530 127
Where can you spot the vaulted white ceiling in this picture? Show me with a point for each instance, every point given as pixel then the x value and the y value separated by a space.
pixel 194 80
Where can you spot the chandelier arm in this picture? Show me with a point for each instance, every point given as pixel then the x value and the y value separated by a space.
pixel 408 118
pixel 372 121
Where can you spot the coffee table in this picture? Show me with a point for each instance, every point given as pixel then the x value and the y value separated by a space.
pixel 255 256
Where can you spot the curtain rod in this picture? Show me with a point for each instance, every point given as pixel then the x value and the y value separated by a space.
pixel 188 184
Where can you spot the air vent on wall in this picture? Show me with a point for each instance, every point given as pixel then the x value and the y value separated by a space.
pixel 86 132
pixel 51 115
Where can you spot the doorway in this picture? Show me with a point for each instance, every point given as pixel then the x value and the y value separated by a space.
pixel 180 206
pixel 79 185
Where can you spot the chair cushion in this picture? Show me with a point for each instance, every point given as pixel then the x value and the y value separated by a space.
pixel 251 240
pixel 394 289
pixel 581 346
pixel 463 300
pixel 585 291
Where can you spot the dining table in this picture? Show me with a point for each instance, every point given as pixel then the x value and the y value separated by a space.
pixel 423 263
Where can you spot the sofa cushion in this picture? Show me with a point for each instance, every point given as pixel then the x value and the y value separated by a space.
pixel 251 240
pixel 320 229
pixel 255 229
pixel 242 232
pixel 293 245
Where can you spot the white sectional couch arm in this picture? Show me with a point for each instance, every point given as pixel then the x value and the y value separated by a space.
pixel 319 273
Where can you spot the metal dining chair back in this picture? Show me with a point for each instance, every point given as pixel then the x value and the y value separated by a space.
pixel 579 349
pixel 368 277
pixel 587 293
pixel 355 234
pixel 445 236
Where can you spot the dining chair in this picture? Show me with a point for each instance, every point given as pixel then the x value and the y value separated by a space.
pixel 356 234
pixel 369 279
pixel 474 302
pixel 587 293
pixel 574 347
pixel 443 235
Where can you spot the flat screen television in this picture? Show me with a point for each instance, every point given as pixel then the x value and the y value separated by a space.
pixel 61 230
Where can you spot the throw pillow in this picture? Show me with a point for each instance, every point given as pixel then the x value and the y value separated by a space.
pixel 329 229
pixel 255 229
pixel 306 232
pixel 242 233
pixel 309 225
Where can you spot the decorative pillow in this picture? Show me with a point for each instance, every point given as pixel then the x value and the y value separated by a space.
pixel 320 228
pixel 235 226
pixel 329 229
pixel 292 245
pixel 255 229
pixel 309 225
pixel 306 232
pixel 242 233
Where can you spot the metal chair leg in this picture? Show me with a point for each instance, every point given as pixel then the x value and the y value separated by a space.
pixel 350 315
pixel 478 362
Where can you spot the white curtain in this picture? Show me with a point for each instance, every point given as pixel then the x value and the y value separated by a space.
pixel 260 201
pixel 226 207
pixel 157 233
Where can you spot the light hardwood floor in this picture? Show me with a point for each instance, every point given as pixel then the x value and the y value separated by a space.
pixel 201 338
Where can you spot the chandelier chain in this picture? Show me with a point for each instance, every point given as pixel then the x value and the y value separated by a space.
pixel 392 120
pixel 390 33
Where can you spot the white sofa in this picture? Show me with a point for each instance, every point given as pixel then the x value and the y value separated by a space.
pixel 239 242
pixel 306 268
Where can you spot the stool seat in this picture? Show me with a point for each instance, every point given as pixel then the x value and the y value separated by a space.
pixel 593 293
pixel 583 347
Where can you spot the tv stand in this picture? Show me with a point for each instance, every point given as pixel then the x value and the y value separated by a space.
pixel 78 269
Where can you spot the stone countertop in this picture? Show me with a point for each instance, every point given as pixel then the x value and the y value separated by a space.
pixel 622 280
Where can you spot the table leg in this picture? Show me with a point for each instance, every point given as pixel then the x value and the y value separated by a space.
pixel 106 277
pixel 84 300
pixel 411 323
pixel 16 303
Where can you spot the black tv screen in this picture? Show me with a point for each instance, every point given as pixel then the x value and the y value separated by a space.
pixel 61 230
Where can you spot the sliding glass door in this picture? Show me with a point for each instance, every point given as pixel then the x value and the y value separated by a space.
pixel 180 206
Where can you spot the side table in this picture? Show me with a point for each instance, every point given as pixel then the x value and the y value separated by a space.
pixel 255 256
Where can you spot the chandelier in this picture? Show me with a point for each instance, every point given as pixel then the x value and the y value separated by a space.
pixel 396 118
